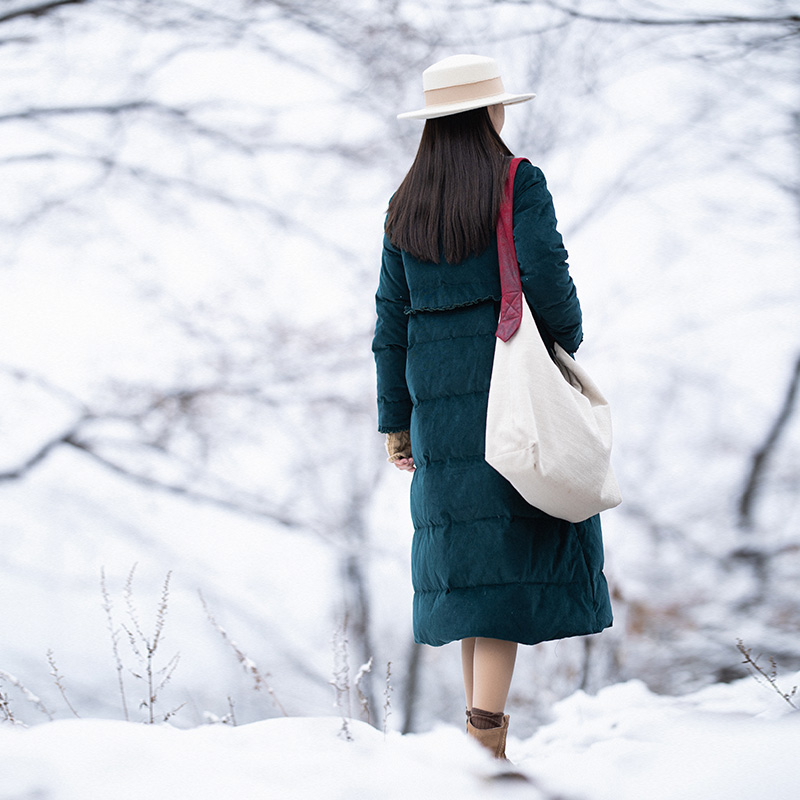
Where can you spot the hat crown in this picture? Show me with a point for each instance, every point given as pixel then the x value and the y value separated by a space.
pixel 462 83
pixel 458 70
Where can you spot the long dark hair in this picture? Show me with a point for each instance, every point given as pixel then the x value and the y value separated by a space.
pixel 447 205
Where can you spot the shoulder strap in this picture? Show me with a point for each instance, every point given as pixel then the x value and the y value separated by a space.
pixel 510 283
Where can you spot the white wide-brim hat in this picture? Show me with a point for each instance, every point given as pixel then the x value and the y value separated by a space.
pixel 461 83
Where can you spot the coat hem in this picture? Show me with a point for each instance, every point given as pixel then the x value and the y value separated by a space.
pixel 529 642
pixel 522 612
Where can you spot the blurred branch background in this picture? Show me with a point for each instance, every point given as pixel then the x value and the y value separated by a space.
pixel 191 223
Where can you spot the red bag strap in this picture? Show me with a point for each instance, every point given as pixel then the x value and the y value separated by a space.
pixel 510 283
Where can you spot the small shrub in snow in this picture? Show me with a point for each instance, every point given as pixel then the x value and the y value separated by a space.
pixel 387 698
pixel 770 676
pixel 228 719
pixel 362 698
pixel 341 679
pixel 143 647
pixel 248 665
pixel 114 632
pixel 6 714
pixel 342 684
pixel 59 681
pixel 32 698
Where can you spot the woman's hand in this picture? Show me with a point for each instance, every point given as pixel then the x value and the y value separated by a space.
pixel 398 446
pixel 406 464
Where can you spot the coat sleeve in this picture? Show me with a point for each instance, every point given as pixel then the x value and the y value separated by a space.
pixel 542 258
pixel 391 343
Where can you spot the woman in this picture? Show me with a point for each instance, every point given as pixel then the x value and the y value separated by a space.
pixel 488 569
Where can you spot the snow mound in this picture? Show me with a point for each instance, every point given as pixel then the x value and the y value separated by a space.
pixel 626 743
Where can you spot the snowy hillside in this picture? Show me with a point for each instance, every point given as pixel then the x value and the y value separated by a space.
pixel 190 232
pixel 737 740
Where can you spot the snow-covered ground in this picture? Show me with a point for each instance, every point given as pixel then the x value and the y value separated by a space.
pixel 625 743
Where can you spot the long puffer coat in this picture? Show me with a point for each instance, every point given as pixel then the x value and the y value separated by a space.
pixel 484 562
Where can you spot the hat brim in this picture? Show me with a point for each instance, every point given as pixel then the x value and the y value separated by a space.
pixel 446 109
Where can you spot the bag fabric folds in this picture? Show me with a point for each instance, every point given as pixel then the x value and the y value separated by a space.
pixel 548 426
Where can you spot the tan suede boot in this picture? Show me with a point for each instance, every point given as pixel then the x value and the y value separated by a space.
pixel 493 739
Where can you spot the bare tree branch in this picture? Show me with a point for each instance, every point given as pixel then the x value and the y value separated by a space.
pixel 38 9
pixel 181 115
pixel 760 459
pixel 251 506
pixel 48 386
pixel 41 454
pixel 105 108
pixel 230 498
pixel 788 20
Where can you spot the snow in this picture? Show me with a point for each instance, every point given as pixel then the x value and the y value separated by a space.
pixel 625 743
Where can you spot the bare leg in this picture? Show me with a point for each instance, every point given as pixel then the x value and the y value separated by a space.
pixel 467 662
pixel 492 668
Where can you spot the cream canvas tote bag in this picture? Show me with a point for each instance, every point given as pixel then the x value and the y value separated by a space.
pixel 548 427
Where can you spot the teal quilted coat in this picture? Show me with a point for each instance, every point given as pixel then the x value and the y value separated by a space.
pixel 484 562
